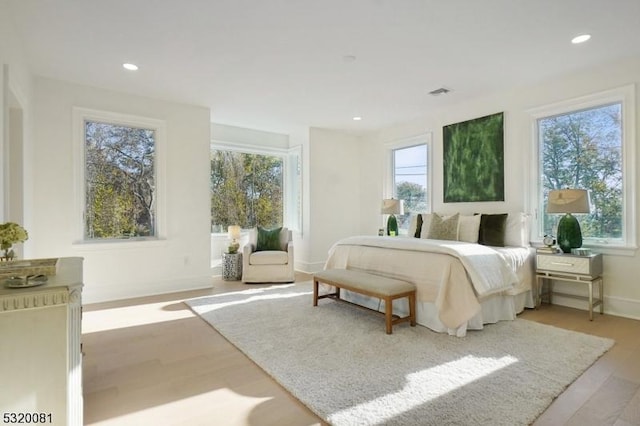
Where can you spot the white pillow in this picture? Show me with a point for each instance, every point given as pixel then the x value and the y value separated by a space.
pixel 517 230
pixel 426 224
pixel 413 224
pixel 469 228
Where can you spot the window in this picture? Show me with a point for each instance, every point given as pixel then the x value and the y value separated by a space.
pixel 254 187
pixel 118 172
pixel 409 178
pixel 588 144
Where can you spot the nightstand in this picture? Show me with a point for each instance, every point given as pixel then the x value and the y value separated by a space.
pixel 585 270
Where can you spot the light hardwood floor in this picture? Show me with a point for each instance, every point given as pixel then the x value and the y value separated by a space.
pixel 151 361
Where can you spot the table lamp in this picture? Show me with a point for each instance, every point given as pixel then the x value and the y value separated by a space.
pixel 234 234
pixel 392 207
pixel 568 201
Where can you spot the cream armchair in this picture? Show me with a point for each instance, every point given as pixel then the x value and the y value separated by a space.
pixel 268 266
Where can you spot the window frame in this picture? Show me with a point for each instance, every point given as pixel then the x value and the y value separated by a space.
pixel 80 117
pixel 291 210
pixel 388 188
pixel 626 97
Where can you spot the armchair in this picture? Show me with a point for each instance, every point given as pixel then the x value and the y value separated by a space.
pixel 261 265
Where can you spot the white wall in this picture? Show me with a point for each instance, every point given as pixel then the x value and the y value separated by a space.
pixel 621 272
pixel 249 137
pixel 118 270
pixel 334 192
pixel 15 93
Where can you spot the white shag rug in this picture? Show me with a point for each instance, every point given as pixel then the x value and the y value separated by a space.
pixel 338 360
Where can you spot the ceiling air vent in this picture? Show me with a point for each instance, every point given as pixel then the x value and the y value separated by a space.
pixel 440 91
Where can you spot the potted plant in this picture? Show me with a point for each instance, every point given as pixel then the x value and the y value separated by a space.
pixel 11 233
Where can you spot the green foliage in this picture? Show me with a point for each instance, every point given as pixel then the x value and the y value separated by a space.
pixel 474 160
pixel 120 181
pixel 415 200
pixel 583 149
pixel 246 190
pixel 413 194
pixel 10 234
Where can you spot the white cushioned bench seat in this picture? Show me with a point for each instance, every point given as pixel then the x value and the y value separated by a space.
pixel 387 289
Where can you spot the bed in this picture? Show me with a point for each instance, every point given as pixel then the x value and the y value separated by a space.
pixel 462 283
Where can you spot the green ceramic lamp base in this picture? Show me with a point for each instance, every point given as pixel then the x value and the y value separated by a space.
pixel 392 225
pixel 569 234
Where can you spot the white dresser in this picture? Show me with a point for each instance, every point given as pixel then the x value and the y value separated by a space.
pixel 40 349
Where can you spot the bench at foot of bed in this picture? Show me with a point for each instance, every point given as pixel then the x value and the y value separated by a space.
pixel 387 289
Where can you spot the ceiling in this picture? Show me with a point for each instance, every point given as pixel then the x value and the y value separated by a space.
pixel 275 65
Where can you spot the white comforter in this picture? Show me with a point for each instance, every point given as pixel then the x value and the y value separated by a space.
pixel 489 271
pixel 454 276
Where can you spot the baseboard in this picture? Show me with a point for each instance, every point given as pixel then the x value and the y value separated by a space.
pixel 616 306
pixel 621 307
pixel 110 292
pixel 309 267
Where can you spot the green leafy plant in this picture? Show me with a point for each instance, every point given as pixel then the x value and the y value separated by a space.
pixel 10 234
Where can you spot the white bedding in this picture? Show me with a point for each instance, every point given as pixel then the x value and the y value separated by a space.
pixel 459 285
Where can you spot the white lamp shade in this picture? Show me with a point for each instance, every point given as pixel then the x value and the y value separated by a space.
pixel 392 206
pixel 234 232
pixel 568 201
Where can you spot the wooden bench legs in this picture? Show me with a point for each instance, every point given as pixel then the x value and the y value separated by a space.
pixel 390 319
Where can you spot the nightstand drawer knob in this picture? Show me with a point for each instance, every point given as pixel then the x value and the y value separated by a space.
pixel 562 263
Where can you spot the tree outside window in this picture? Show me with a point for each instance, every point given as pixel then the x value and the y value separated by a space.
pixel 410 181
pixel 246 190
pixel 583 149
pixel 120 182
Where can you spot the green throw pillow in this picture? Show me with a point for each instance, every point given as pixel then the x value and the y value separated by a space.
pixel 492 229
pixel 268 239
pixel 418 226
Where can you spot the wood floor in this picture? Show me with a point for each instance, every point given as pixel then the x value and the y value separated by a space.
pixel 151 361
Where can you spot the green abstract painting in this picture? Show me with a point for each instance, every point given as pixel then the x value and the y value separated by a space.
pixel 473 160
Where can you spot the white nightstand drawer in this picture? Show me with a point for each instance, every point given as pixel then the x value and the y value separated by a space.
pixel 560 263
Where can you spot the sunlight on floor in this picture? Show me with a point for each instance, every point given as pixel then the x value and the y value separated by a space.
pixel 427 385
pixel 220 301
pixel 191 410
pixel 131 316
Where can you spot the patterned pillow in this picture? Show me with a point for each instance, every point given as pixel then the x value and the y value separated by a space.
pixel 444 229
pixel 268 239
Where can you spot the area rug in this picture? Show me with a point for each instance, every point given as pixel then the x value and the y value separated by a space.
pixel 339 361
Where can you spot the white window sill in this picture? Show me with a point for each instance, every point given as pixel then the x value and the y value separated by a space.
pixel 608 249
pixel 614 250
pixel 131 243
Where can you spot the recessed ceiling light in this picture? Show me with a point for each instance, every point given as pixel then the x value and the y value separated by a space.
pixel 580 39
pixel 357 118
pixel 130 67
